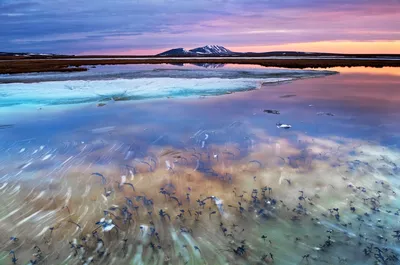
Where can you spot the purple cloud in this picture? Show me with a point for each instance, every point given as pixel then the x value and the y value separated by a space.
pixel 73 26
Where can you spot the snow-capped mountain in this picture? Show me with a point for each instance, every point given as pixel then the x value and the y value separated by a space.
pixel 217 50
pixel 205 50
pixel 212 49
pixel 176 52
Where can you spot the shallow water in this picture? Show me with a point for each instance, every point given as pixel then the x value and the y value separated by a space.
pixel 233 188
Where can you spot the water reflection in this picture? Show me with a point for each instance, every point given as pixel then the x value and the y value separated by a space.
pixel 204 65
pixel 393 71
pixel 208 180
pixel 210 65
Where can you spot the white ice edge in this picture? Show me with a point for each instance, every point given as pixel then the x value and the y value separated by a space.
pixel 79 91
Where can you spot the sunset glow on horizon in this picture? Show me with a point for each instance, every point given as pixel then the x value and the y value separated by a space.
pixel 344 47
pixel 368 47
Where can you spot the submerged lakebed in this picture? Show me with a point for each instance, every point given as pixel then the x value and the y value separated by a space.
pixel 205 176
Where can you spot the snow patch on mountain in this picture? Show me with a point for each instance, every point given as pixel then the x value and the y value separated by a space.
pixel 212 49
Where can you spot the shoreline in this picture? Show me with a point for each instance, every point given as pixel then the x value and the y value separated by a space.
pixel 79 64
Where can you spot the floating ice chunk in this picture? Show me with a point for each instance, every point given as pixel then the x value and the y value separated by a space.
pixel 283 126
pixel 22 150
pixel 123 179
pixel 144 229
pixel 106 225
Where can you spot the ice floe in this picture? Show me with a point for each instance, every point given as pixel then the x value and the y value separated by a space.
pixel 139 85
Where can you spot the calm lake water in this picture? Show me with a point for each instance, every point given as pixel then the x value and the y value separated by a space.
pixel 187 166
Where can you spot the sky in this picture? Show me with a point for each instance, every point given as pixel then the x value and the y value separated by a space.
pixel 152 26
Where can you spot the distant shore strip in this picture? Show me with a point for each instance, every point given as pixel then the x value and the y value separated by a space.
pixel 74 64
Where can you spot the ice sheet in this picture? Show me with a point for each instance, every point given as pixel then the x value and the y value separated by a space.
pixel 140 84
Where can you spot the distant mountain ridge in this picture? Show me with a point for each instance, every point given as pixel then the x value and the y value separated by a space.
pixel 175 52
pixel 217 50
pixel 205 50
pixel 212 49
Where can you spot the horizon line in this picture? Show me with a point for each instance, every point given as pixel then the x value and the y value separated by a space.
pixel 341 47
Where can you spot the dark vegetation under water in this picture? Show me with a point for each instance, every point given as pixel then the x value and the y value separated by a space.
pixel 237 203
